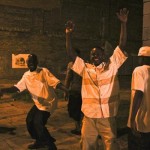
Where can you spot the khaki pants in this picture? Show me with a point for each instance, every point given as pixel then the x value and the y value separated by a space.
pixel 92 127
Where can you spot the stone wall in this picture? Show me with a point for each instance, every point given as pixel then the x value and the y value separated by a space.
pixel 39 28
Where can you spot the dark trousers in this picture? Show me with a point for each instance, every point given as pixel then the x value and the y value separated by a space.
pixel 36 121
pixel 138 142
pixel 74 105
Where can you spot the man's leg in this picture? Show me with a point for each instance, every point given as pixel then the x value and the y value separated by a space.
pixel 89 134
pixel 134 140
pixel 43 136
pixel 29 122
pixel 107 130
pixel 145 141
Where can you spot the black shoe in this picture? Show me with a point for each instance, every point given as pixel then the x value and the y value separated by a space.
pixel 37 145
pixel 76 132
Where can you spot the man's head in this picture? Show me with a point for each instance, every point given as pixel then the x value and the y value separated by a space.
pixel 32 62
pixel 144 55
pixel 97 56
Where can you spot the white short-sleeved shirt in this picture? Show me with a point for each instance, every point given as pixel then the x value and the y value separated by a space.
pixel 41 84
pixel 141 81
pixel 100 87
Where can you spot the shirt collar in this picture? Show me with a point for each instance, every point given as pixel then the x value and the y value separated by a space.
pixel 102 65
pixel 38 69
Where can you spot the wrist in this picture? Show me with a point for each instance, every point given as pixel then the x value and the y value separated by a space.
pixel 123 22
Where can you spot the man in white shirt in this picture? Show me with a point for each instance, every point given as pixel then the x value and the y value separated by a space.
pixel 139 115
pixel 40 82
pixel 100 89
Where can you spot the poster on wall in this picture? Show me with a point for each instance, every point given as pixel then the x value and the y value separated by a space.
pixel 19 60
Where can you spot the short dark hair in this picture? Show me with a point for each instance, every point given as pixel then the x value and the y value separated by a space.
pixel 33 56
pixel 101 48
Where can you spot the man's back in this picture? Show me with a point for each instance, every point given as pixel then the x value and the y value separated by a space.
pixel 141 81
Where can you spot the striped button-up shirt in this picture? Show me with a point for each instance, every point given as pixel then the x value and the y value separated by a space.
pixel 100 87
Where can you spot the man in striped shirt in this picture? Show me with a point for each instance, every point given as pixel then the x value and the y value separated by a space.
pixel 100 89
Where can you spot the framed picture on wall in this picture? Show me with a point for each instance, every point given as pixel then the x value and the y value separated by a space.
pixel 19 60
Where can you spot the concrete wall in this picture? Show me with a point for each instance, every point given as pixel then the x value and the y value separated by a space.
pixel 146 23
pixel 39 27
pixel 43 4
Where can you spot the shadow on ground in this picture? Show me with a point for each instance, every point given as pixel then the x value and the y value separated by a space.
pixel 8 130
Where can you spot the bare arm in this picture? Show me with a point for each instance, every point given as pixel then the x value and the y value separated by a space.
pixel 69 75
pixel 123 17
pixel 68 79
pixel 69 30
pixel 136 104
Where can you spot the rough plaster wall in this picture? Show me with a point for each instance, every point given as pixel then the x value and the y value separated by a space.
pixel 146 23
pixel 40 30
pixel 43 4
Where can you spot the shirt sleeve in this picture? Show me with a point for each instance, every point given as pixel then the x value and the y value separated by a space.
pixel 78 66
pixel 51 79
pixel 118 57
pixel 21 85
pixel 137 80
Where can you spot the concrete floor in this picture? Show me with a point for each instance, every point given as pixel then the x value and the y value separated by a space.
pixel 14 136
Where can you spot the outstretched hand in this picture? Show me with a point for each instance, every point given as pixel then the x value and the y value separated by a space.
pixel 123 15
pixel 70 26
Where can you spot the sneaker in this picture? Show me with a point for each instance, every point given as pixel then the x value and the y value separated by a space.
pixel 37 145
pixel 76 132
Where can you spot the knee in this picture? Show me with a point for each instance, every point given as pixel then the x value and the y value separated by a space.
pixel 88 143
pixel 28 121
pixel 89 139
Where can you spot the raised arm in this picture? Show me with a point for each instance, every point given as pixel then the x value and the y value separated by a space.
pixel 123 17
pixel 68 79
pixel 69 30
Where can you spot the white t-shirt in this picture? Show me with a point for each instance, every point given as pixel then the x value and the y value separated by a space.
pixel 141 81
pixel 41 84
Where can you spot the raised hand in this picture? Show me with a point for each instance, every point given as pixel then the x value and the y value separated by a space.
pixel 70 26
pixel 123 15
